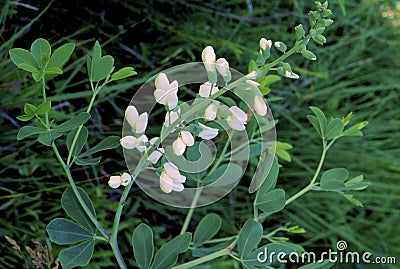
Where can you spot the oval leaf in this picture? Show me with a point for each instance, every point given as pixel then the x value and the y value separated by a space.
pixel 123 73
pixel 63 232
pixel 73 123
pixel 102 68
pixel 28 131
pixel 80 142
pixel 272 201
pixel 41 51
pixel 110 142
pixel 78 255
pixel 167 255
pixel 61 56
pixel 21 56
pixel 74 209
pixel 207 228
pixel 143 247
pixel 249 237
pixel 340 174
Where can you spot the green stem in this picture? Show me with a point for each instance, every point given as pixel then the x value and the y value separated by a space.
pixel 77 194
pixel 191 210
pixel 311 184
pixel 219 160
pixel 46 115
pixel 79 130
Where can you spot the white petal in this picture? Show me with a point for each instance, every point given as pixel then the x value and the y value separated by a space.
pixel 211 112
pixel 172 101
pixel 259 105
pixel 294 75
pixel 208 134
pixel 236 124
pixel 253 83
pixel 208 57
pixel 155 156
pixel 263 43
pixel 128 142
pixel 178 187
pixel 171 117
pixel 222 67
pixel 173 87
pixel 178 147
pixel 114 182
pixel 140 143
pixel 173 172
pixel 153 140
pixel 187 138
pixel 238 113
pixel 252 75
pixel 125 179
pixel 161 96
pixel 204 90
pixel 162 81
pixel 166 183
pixel 141 123
pixel 131 115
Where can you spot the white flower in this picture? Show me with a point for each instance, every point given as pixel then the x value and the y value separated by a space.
pixel 211 112
pixel 125 179
pixel 171 179
pixel 290 74
pixel 184 139
pixel 171 117
pixel 116 181
pixel 259 105
pixel 130 142
pixel 252 75
pixel 207 132
pixel 137 123
pixel 206 90
pixel 253 83
pixel 166 93
pixel 157 153
pixel 208 57
pixel 223 68
pixel 238 119
pixel 264 43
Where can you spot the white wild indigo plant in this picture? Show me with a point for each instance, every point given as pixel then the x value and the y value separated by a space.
pixel 200 155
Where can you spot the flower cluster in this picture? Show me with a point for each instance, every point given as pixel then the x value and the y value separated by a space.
pixel 166 93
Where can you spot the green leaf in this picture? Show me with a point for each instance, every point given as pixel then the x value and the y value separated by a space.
pixel 43 108
pixel 225 174
pixel 282 151
pixel 321 120
pixel 332 185
pixel 102 68
pixel 41 51
pixel 78 255
pixel 28 131
pixel 53 71
pixel 30 109
pixel 74 209
pixel 80 142
pixel 325 264
pixel 334 128
pixel 73 123
pixel 270 176
pixel 28 68
pixel 342 6
pixel 203 251
pixel 48 137
pixel 314 122
pixel 355 130
pixel 206 229
pixel 63 232
pixel 320 39
pixel 143 247
pixel 21 56
pixel 249 237
pixel 340 174
pixel 110 142
pixel 299 32
pixel 37 76
pixel 167 255
pixel 272 201
pixel 60 56
pixel 87 161
pixel 25 117
pixel 123 73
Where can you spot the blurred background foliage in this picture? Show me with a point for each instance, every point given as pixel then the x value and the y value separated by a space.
pixel 357 70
